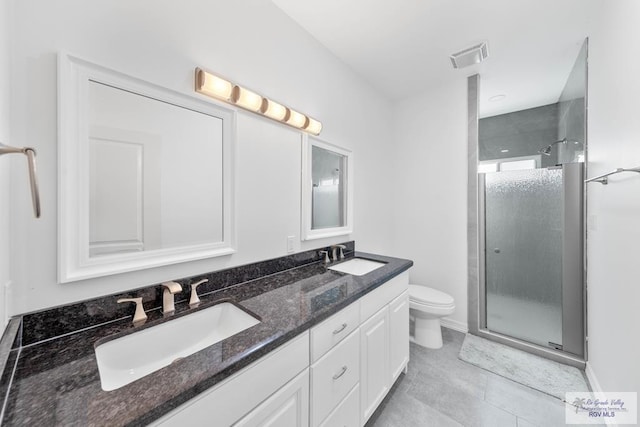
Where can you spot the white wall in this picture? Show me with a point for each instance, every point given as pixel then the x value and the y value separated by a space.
pixel 251 42
pixel 430 222
pixel 5 60
pixel 612 246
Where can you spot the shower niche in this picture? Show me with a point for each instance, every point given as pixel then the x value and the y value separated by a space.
pixel 526 191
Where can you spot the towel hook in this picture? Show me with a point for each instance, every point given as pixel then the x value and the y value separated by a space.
pixel 33 178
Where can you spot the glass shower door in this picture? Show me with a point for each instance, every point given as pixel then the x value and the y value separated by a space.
pixel 523 254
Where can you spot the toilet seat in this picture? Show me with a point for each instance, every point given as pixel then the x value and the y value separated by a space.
pixel 429 297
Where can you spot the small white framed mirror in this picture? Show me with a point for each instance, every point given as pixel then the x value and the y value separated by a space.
pixel 327 189
pixel 145 174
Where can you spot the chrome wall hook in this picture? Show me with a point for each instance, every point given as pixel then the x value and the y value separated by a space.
pixel 33 178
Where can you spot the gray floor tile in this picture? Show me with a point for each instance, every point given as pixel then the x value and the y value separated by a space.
pixel 441 390
pixel 525 423
pixel 524 402
pixel 405 411
pixel 458 401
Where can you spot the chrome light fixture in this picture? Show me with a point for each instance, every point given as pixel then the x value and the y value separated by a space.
pixel 470 56
pixel 227 91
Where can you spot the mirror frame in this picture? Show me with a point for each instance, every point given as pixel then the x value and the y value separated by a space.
pixel 307 232
pixel 74 262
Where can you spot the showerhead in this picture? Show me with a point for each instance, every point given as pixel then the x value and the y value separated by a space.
pixel 547 150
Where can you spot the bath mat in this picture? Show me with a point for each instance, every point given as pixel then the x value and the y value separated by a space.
pixel 544 375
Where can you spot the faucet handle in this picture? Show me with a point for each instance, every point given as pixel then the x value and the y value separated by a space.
pixel 342 248
pixel 140 315
pixel 327 260
pixel 173 287
pixel 194 300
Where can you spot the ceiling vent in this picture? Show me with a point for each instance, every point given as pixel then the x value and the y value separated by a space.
pixel 470 56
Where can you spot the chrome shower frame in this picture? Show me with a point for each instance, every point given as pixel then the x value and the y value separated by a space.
pixel 475 250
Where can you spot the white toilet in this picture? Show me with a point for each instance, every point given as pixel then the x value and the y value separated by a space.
pixel 427 306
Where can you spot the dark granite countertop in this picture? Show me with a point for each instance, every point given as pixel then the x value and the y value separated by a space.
pixel 56 381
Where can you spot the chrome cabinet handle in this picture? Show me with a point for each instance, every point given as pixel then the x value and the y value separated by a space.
pixel 340 329
pixel 341 373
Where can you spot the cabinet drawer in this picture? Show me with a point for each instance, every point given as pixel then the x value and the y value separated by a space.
pixel 372 302
pixel 347 414
pixel 333 376
pixel 333 330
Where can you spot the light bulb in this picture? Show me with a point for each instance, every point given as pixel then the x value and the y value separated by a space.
pixel 247 99
pixel 297 119
pixel 275 111
pixel 212 85
pixel 314 126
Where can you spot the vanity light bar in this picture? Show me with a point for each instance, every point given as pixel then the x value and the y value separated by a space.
pixel 224 90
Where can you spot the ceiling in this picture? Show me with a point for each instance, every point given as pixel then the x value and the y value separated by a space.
pixel 402 47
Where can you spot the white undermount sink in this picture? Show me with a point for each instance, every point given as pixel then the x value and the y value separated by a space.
pixel 357 266
pixel 131 357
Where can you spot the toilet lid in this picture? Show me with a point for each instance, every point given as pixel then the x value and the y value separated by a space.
pixel 425 295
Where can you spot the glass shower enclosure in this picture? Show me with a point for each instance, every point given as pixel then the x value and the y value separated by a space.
pixel 531 226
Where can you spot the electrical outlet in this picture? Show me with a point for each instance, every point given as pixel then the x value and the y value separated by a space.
pixel 290 243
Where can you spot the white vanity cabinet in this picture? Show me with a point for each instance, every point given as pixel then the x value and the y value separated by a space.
pixel 384 341
pixel 271 391
pixel 378 347
pixel 335 374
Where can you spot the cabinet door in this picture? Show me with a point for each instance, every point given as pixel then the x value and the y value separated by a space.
pixel 374 362
pixel 398 335
pixel 288 407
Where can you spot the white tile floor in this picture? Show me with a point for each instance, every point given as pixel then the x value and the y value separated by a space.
pixel 441 390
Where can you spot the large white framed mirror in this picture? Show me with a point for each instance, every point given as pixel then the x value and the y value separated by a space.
pixel 327 189
pixel 145 174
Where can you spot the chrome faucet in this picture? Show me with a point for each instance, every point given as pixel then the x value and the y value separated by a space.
pixel 334 251
pixel 170 288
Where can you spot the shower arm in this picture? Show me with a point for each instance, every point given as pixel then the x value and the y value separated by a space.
pixel 547 150
pixel 604 180
pixel 33 178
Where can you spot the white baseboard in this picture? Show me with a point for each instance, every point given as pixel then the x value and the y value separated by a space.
pixel 593 380
pixel 596 388
pixel 454 324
